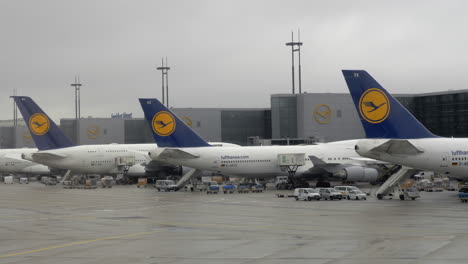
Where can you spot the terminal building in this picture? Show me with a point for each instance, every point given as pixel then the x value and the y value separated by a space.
pixel 292 119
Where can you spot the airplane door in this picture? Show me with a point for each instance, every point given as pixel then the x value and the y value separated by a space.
pixel 445 160
pixel 216 163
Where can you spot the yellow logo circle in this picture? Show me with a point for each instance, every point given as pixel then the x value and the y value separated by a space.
pixel 323 114
pixel 374 106
pixel 163 123
pixel 39 124
pixel 93 131
pixel 187 120
pixel 27 138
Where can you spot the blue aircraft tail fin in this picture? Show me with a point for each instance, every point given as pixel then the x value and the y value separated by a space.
pixel 168 130
pixel 46 134
pixel 382 116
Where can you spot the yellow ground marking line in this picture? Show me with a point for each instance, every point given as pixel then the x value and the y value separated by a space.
pixel 78 243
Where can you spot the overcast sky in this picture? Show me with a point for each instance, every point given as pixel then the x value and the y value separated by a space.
pixel 221 53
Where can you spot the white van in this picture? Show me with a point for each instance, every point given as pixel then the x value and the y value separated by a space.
pixel 330 193
pixel 165 185
pixel 306 194
pixel 346 189
pixel 23 180
pixel 8 180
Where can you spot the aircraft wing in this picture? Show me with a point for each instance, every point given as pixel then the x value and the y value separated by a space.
pixel 368 161
pixel 47 156
pixel 397 147
pixel 175 153
pixel 321 164
pixel 335 166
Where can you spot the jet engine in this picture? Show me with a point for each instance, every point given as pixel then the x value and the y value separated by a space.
pixel 358 174
pixel 27 156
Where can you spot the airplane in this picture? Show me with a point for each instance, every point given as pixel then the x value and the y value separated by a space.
pixel 11 162
pixel 56 150
pixel 396 136
pixel 180 145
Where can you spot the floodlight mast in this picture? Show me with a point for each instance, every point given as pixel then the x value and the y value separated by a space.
pixel 295 47
pixel 77 86
pixel 164 80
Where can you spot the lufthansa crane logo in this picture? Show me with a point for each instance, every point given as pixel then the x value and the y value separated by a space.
pixel 39 124
pixel 374 106
pixel 323 114
pixel 93 132
pixel 27 138
pixel 187 120
pixel 163 123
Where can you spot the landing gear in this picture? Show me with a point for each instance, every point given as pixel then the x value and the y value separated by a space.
pixel 293 182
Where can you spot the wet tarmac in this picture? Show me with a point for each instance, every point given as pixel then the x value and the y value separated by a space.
pixel 125 224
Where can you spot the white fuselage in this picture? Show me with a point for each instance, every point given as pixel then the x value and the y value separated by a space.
pixel 97 159
pixel 260 161
pixel 11 162
pixel 448 156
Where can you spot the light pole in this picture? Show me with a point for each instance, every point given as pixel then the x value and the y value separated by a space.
pixel 165 79
pixel 77 86
pixel 293 45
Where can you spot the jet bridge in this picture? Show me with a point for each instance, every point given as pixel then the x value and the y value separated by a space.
pixel 291 162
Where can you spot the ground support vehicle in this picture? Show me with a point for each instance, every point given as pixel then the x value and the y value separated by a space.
pixel 142 182
pixel 424 185
pixel 50 181
pixel 196 187
pixel 165 185
pixel 257 188
pixel 356 195
pixel 229 188
pixel 281 182
pixel 345 190
pixel 243 188
pixel 451 188
pixel 463 194
pixel 213 188
pixel 106 182
pixel 330 193
pixel 23 180
pixel 306 194
pixel 90 184
pixel 406 192
pixel 8 180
